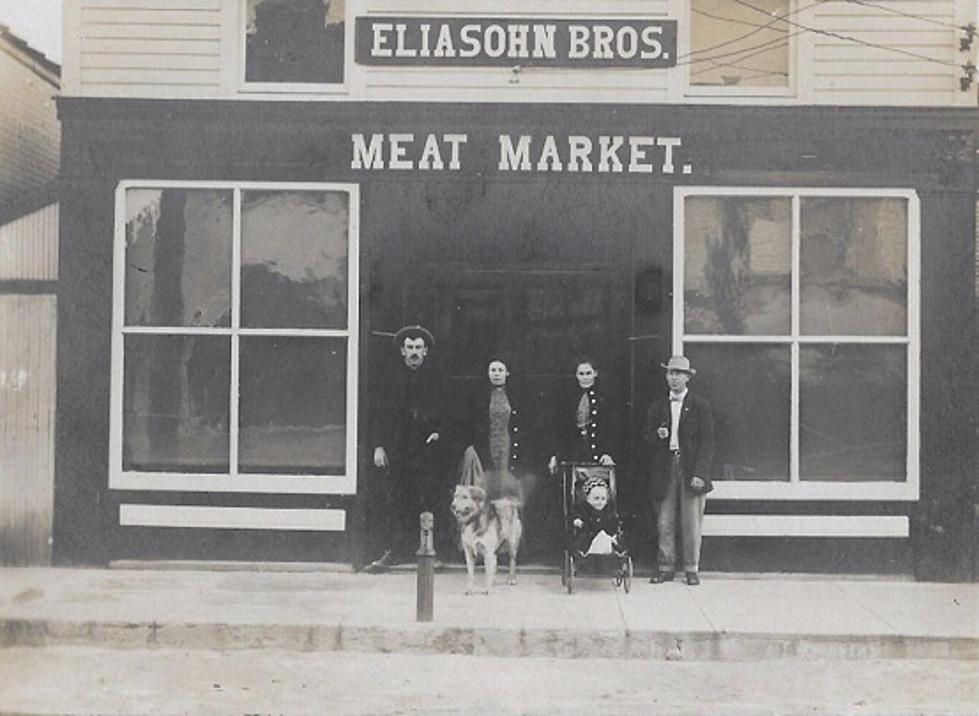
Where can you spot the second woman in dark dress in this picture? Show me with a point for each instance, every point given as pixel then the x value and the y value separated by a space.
pixel 497 429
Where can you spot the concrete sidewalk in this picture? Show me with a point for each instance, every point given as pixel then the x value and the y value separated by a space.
pixel 728 617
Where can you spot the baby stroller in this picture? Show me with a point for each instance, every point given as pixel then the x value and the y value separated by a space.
pixel 616 563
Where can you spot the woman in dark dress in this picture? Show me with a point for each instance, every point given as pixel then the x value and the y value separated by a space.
pixel 586 430
pixel 497 428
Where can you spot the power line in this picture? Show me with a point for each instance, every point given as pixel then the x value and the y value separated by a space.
pixel 773 44
pixel 739 38
pixel 735 64
pixel 735 21
pixel 762 72
pixel 855 40
pixel 902 13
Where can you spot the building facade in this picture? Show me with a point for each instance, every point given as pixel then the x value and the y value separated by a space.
pixel 259 193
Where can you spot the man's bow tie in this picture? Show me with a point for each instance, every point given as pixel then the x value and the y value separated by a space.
pixel 675 398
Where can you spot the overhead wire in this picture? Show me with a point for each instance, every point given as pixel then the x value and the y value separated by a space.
pixel 736 64
pixel 902 13
pixel 739 38
pixel 762 47
pixel 744 54
pixel 848 38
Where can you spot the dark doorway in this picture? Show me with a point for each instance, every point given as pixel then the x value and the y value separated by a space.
pixel 539 321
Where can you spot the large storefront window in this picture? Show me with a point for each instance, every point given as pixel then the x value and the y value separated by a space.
pixel 294 42
pixel 235 338
pixel 796 308
pixel 739 47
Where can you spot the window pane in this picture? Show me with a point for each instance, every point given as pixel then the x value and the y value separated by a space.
pixel 749 387
pixel 854 259
pixel 852 412
pixel 176 402
pixel 737 265
pixel 734 45
pixel 294 259
pixel 294 41
pixel 293 407
pixel 178 257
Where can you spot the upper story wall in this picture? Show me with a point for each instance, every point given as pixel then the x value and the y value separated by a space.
pixel 849 52
pixel 30 133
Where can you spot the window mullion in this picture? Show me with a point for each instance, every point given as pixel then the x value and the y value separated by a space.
pixel 235 326
pixel 796 301
pixel 679 248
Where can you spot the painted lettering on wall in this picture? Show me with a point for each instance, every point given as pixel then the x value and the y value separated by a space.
pixel 522 153
pixel 535 42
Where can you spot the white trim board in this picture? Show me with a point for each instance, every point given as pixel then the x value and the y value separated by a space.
pixel 327 520
pixel 265 484
pixel 805 526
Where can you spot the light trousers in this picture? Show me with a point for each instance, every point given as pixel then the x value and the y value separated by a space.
pixel 681 506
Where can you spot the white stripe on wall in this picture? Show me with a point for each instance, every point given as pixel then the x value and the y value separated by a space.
pixel 255 518
pixel 805 526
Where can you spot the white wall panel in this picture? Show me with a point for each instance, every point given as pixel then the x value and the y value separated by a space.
pixel 29 247
pixel 27 389
pixel 146 48
pixel 863 53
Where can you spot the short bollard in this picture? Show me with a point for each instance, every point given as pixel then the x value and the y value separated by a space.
pixel 426 568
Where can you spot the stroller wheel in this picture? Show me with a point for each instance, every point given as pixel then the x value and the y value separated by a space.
pixel 627 574
pixel 570 577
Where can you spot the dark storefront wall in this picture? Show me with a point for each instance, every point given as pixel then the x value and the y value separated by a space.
pixel 538 267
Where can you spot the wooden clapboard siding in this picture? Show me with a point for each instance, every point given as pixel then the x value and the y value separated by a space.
pixel 29 247
pixel 27 384
pixel 30 134
pixel 28 252
pixel 851 62
pixel 148 48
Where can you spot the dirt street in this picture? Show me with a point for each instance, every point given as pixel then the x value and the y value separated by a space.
pixel 85 680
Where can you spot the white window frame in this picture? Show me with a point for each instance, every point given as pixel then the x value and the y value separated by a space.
pixel 692 90
pixel 794 488
pixel 294 88
pixel 119 479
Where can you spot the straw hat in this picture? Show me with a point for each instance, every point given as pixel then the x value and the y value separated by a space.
pixel 679 363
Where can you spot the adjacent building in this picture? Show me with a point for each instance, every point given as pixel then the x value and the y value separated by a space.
pixel 259 193
pixel 30 137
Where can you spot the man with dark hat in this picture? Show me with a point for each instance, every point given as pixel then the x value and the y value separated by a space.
pixel 680 433
pixel 405 422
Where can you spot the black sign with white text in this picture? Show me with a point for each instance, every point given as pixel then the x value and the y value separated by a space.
pixel 506 42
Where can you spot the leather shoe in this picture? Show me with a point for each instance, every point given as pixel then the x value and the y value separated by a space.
pixel 661 577
pixel 692 579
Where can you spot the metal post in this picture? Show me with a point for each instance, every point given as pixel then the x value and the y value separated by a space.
pixel 426 568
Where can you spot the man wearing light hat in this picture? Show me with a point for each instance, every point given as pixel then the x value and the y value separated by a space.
pixel 680 433
pixel 405 426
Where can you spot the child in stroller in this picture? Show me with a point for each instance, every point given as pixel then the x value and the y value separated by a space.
pixel 597 528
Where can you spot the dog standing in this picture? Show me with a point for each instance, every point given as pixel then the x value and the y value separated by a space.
pixel 486 526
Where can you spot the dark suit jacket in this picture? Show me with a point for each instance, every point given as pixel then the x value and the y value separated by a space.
pixel 406 409
pixel 601 434
pixel 696 441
